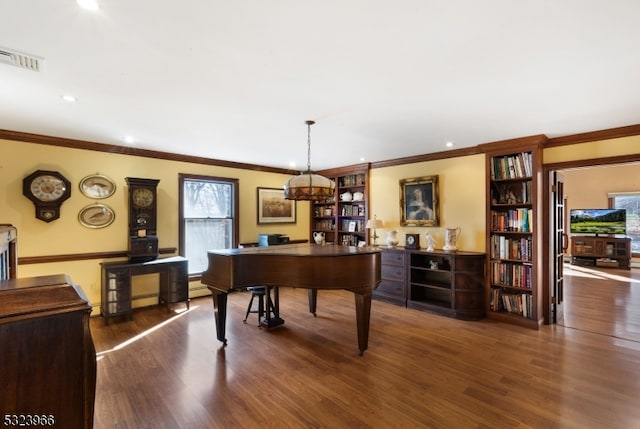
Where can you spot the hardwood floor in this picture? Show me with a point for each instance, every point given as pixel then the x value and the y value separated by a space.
pixel 604 301
pixel 167 370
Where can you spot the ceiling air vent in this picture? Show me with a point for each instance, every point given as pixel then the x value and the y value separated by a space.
pixel 22 60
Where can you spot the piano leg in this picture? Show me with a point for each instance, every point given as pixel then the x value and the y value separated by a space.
pixel 363 316
pixel 313 300
pixel 220 314
pixel 272 306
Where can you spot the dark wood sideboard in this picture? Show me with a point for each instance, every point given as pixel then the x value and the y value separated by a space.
pixel 609 252
pixel 446 283
pixel 47 355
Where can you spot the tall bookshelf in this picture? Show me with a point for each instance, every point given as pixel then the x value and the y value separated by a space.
pixel 343 220
pixel 514 240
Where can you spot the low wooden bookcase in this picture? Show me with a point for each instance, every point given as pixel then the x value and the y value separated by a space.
pixel 446 283
pixel 608 252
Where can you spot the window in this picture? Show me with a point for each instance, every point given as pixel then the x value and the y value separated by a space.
pixel 208 217
pixel 631 202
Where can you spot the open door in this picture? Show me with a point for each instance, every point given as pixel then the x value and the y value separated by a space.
pixel 558 245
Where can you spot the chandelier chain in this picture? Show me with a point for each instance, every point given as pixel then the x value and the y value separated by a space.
pixel 309 123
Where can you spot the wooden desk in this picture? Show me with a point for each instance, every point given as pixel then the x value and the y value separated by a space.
pixel 47 355
pixel 309 266
pixel 116 283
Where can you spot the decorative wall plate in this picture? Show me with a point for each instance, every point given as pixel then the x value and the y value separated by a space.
pixel 97 186
pixel 96 216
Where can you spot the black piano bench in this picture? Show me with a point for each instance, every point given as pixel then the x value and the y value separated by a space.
pixel 260 292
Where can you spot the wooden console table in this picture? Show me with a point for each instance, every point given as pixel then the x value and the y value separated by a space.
pixel 47 355
pixel 611 252
pixel 116 284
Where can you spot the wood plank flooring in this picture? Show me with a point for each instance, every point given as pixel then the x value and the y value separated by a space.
pixel 167 370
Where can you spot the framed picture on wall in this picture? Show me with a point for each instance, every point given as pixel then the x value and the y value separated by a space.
pixel 419 201
pixel 274 208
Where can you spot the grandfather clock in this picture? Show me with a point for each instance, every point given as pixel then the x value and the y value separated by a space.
pixel 143 215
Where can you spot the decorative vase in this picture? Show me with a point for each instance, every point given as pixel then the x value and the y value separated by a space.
pixel 392 238
pixel 318 237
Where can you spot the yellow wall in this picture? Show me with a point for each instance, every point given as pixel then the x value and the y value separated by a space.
pixel 462 191
pixel 67 236
pixel 600 181
pixel 461 186
pixel 592 150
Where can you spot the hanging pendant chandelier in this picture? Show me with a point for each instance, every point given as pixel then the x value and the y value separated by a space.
pixel 308 186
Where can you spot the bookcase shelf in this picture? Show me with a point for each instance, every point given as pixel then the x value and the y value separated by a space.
pixel 447 283
pixel 343 220
pixel 514 290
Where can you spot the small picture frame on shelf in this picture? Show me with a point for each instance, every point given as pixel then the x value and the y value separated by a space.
pixel 419 201
pixel 352 226
pixel 274 208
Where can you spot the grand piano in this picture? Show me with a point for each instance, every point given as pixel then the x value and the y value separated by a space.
pixel 309 266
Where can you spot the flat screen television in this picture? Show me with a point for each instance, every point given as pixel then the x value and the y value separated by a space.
pixel 598 221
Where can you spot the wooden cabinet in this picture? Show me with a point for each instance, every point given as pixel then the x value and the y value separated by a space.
pixel 393 285
pixel 514 240
pixel 8 252
pixel 447 283
pixel 116 284
pixel 47 355
pixel 343 217
pixel 611 252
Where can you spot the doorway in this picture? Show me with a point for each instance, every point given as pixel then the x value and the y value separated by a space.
pixel 599 300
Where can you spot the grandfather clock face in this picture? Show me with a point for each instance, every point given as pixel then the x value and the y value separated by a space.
pixel 143 207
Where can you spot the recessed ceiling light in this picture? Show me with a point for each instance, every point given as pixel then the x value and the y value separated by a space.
pixel 129 139
pixel 449 144
pixel 88 4
pixel 69 98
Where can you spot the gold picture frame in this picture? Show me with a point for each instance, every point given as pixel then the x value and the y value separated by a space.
pixel 97 186
pixel 96 216
pixel 274 208
pixel 419 201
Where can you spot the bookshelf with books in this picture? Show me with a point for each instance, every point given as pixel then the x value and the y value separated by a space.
pixel 342 218
pixel 514 288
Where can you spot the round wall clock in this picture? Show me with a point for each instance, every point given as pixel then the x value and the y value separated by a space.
pixel 97 186
pixel 96 216
pixel 47 190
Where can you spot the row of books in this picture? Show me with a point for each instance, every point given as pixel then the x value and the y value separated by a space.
pixel 512 166
pixel 511 274
pixel 350 240
pixel 511 248
pixel 324 225
pixel 353 180
pixel 520 303
pixel 352 210
pixel 352 225
pixel 513 220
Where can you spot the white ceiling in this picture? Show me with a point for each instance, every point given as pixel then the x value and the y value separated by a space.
pixel 236 80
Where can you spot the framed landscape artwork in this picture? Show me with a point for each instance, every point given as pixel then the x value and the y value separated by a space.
pixel 419 201
pixel 273 208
